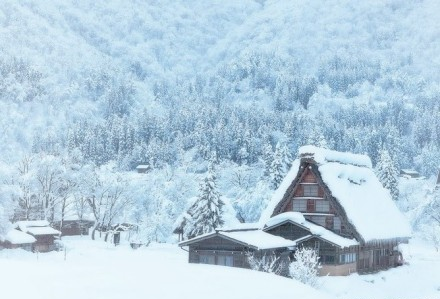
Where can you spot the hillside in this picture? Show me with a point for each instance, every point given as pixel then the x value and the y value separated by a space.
pixel 102 87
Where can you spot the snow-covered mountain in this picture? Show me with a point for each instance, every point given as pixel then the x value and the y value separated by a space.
pixel 178 83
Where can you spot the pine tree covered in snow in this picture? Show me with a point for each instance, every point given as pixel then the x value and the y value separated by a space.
pixel 388 173
pixel 206 212
pixel 278 167
pixel 267 156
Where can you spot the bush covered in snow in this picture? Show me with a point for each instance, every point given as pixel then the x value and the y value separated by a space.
pixel 267 262
pixel 305 266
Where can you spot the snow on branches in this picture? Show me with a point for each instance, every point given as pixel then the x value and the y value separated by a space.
pixel 305 266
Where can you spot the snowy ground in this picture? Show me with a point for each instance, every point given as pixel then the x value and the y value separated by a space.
pixel 99 270
pixel 419 279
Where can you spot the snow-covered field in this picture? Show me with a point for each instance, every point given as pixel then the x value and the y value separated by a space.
pixel 99 270
pixel 94 270
pixel 420 278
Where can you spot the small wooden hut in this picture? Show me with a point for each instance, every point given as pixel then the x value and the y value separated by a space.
pixel 44 234
pixel 17 239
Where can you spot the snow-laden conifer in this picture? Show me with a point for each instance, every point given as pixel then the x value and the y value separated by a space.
pixel 277 169
pixel 387 173
pixel 206 212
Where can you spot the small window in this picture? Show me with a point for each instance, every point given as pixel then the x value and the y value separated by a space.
pixel 327 259
pixel 311 190
pixel 310 205
pixel 225 260
pixel 317 245
pixel 347 258
pixel 207 259
pixel 329 223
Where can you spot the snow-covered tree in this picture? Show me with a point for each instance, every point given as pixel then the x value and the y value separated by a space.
pixel 278 167
pixel 7 206
pixel 206 212
pixel 267 262
pixel 267 156
pixel 316 137
pixel 388 173
pixel 305 265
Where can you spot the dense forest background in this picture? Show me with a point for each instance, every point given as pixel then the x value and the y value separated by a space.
pixel 90 90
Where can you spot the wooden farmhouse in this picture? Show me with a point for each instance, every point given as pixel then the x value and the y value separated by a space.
pixel 231 247
pixel 44 234
pixel 331 202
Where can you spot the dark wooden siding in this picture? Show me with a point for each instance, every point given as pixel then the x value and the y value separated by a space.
pixel 218 246
pixel 325 250
pixel 308 177
pixel 289 231
pixel 377 256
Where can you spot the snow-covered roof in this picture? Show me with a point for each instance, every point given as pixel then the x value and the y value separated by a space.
pixel 257 239
pixel 354 185
pixel 17 237
pixel 44 230
pixel 315 230
pixel 323 156
pixel 409 171
pixel 242 226
pixel 37 227
pixel 29 223
pixel 368 205
pixel 142 166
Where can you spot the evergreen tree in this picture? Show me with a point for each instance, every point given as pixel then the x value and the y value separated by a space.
pixel 277 167
pixel 206 212
pixel 267 156
pixel 387 173
pixel 316 137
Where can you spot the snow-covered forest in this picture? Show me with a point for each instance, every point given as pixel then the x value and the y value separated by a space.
pixel 89 90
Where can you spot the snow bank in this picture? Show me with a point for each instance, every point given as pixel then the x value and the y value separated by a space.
pixel 315 230
pixel 158 271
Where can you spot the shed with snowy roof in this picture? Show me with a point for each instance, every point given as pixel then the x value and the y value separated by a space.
pixel 44 234
pixel 17 239
pixel 340 193
pixel 143 168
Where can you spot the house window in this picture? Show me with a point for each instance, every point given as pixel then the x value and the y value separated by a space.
pixel 300 205
pixel 322 206
pixel 225 260
pixel 327 259
pixel 329 223
pixel 336 223
pixel 311 190
pixel 347 258
pixel 310 205
pixel 207 259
